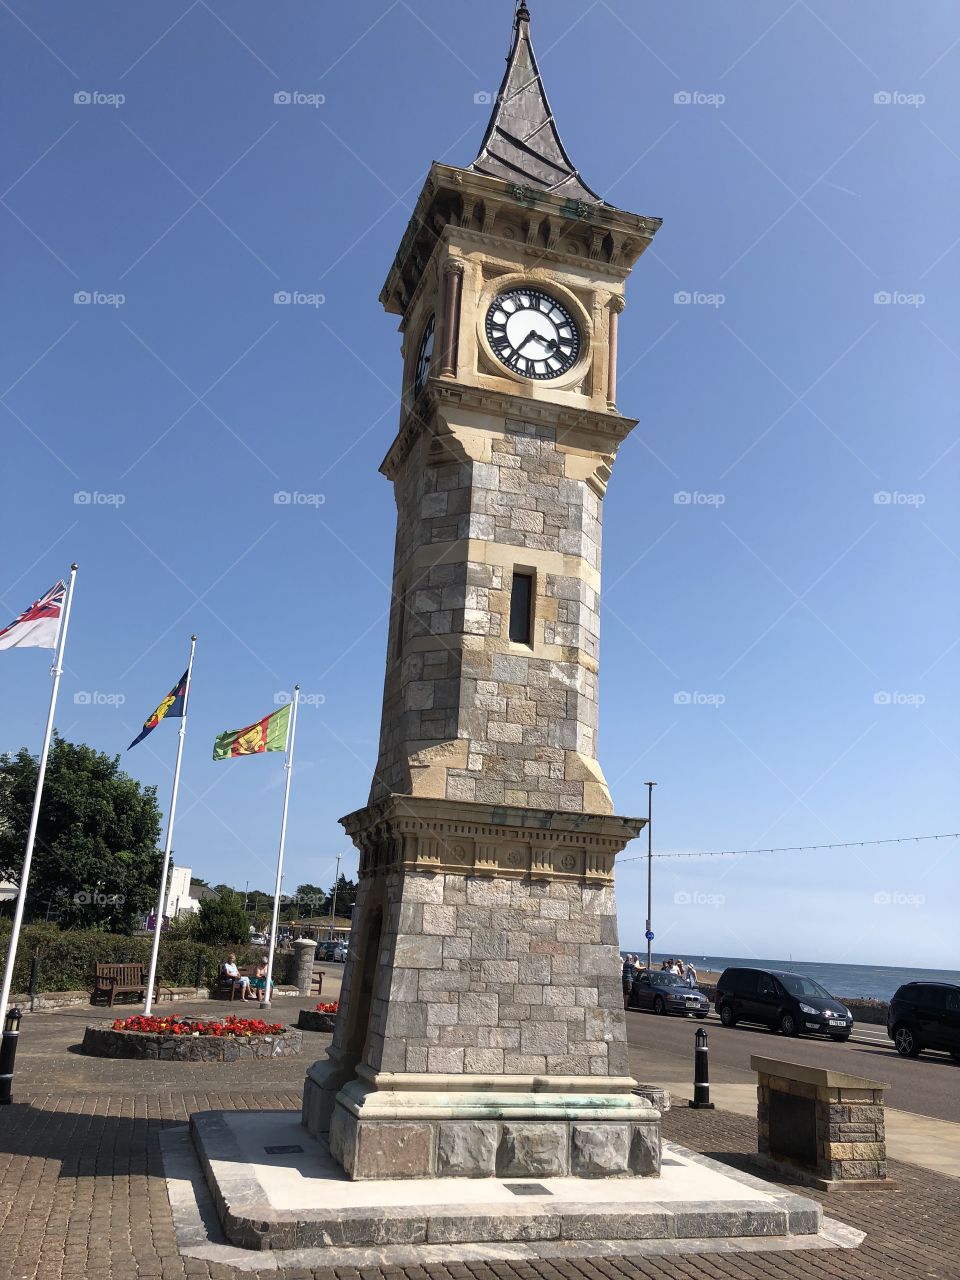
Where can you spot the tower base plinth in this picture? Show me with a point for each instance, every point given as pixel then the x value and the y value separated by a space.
pixel 484 1127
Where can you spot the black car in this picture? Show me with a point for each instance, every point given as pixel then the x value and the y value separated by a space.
pixel 785 1002
pixel 667 993
pixel 925 1015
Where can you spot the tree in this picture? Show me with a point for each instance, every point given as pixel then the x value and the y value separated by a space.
pixel 227 893
pixel 311 900
pixel 95 863
pixel 222 921
pixel 346 895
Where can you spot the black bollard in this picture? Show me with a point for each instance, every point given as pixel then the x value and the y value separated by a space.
pixel 701 1073
pixel 8 1054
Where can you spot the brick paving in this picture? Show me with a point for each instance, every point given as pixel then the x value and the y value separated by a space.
pixel 82 1191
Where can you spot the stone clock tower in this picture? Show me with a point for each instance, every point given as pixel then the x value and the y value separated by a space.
pixel 481 1030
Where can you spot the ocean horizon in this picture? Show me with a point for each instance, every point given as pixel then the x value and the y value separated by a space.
pixel 874 982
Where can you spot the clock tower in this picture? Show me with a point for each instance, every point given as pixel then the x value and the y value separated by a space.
pixel 481 1029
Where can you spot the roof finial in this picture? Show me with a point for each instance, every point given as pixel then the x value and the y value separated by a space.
pixel 523 13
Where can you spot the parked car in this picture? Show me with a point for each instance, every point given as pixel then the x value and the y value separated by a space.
pixel 925 1015
pixel 336 951
pixel 786 1002
pixel 667 993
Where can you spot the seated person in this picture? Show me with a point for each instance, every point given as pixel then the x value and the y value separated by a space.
pixel 230 970
pixel 259 982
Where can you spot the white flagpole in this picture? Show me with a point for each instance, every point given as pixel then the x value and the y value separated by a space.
pixel 265 1002
pixel 168 843
pixel 56 671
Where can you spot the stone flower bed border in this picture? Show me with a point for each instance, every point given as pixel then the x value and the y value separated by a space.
pixel 320 1018
pixel 107 1042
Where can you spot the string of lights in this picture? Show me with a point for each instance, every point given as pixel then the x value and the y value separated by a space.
pixel 793 848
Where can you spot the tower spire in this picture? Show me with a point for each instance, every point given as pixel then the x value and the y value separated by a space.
pixel 522 143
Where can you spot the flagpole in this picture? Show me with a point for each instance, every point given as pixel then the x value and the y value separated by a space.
pixel 56 671
pixel 168 843
pixel 265 1002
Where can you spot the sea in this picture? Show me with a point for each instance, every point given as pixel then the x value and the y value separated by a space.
pixel 874 982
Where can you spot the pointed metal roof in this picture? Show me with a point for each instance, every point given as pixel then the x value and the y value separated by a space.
pixel 522 143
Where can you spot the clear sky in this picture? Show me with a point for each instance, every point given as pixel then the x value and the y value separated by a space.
pixel 779 653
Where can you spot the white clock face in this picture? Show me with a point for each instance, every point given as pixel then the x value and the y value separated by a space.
pixel 424 356
pixel 532 334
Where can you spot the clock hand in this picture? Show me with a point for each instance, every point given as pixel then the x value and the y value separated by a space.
pixel 529 338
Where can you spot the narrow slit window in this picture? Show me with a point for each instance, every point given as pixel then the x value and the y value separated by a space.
pixel 521 609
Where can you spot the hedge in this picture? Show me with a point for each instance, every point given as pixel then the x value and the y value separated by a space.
pixel 68 956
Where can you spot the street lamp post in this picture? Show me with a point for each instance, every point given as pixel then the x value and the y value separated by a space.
pixel 333 900
pixel 650 786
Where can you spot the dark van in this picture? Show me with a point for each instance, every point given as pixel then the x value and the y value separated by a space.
pixel 785 1002
pixel 925 1015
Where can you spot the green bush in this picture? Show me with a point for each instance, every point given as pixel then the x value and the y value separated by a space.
pixel 222 922
pixel 68 957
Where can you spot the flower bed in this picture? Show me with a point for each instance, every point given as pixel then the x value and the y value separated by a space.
pixel 171 1025
pixel 192 1039
pixel 320 1018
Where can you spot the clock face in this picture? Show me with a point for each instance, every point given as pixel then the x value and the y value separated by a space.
pixel 532 333
pixel 424 356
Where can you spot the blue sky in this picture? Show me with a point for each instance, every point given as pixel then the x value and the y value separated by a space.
pixel 779 651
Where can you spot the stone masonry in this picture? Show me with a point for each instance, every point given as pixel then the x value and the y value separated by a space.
pixel 521 720
pixel 499 976
pixel 846 1120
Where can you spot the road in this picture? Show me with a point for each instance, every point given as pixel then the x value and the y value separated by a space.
pixel 662 1049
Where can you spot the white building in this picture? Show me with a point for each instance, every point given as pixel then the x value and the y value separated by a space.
pixel 179 899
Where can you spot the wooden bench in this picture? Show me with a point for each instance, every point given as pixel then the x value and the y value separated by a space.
pixel 226 987
pixel 114 979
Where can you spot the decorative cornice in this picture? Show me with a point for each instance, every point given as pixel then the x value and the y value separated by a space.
pixel 451 198
pixel 453 837
pixel 603 432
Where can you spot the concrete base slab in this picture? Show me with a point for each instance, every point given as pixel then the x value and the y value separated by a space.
pixel 199 1234
pixel 276 1188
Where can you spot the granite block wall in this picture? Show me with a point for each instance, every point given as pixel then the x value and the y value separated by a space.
pixel 523 712
pixel 493 976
